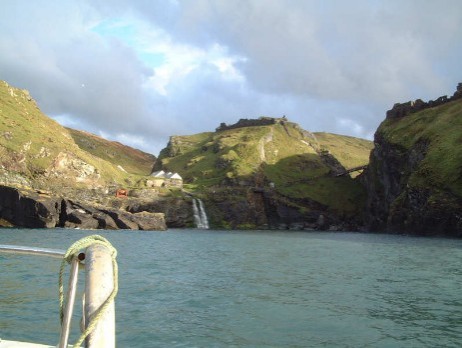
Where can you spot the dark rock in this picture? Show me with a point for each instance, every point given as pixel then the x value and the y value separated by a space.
pixel 265 209
pixel 74 215
pixel 244 122
pixel 404 109
pixel 395 204
pixel 27 208
pixel 321 223
pixel 335 166
pixel 177 211
pixel 114 218
pixel 150 221
pixel 458 93
pixel 122 219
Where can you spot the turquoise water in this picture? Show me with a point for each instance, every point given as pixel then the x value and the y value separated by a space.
pixel 190 288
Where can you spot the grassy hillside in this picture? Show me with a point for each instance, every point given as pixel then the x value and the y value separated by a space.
pixel 39 151
pixel 131 160
pixel 299 165
pixel 349 151
pixel 436 133
pixel 26 132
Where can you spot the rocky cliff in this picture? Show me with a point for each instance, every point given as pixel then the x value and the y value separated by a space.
pixel 38 209
pixel 270 173
pixel 51 176
pixel 261 173
pixel 40 153
pixel 414 179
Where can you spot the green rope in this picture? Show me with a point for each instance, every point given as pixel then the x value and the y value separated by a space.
pixel 72 252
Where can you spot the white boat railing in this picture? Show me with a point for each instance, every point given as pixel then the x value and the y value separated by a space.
pixel 17 249
pixel 101 285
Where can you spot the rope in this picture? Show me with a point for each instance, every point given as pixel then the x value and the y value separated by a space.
pixel 72 252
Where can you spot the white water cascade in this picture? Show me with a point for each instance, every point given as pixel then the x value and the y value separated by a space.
pixel 200 217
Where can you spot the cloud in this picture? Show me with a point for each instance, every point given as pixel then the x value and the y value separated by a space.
pixel 334 50
pixel 143 70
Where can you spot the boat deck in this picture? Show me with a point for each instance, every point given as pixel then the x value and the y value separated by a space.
pixel 16 344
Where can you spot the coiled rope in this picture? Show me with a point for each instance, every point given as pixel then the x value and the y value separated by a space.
pixel 72 252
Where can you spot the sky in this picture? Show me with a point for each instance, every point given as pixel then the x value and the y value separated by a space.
pixel 139 71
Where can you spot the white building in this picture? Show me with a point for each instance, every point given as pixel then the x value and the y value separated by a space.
pixel 167 179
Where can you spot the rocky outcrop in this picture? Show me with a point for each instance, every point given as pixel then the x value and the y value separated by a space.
pixel 177 211
pixel 68 166
pixel 404 109
pixel 335 166
pixel 243 208
pixel 413 178
pixel 386 179
pixel 36 209
pixel 396 205
pixel 26 208
pixel 244 122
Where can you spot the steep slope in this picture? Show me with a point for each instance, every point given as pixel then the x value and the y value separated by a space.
pixel 270 172
pixel 351 152
pixel 36 151
pixel 129 159
pixel 48 180
pixel 29 141
pixel 414 178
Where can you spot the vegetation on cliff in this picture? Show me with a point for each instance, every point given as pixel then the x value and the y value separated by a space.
pixel 301 170
pixel 257 173
pixel 415 175
pixel 36 151
pixel 438 131
pixel 51 176
pixel 124 157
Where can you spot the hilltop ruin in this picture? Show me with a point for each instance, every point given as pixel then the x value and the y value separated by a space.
pixel 404 109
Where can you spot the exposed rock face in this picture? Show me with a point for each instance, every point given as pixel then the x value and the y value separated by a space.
pixel 28 208
pixel 263 209
pixel 396 206
pixel 404 109
pixel 413 179
pixel 69 166
pixel 335 166
pixel 177 211
pixel 243 122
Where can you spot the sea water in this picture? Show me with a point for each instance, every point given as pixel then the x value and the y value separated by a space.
pixel 193 288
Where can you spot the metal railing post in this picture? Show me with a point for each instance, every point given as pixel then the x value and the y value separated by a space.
pixel 68 310
pixel 99 285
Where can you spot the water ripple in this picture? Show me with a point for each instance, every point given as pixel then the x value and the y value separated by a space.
pixel 255 289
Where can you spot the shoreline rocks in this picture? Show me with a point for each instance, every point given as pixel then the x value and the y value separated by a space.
pixel 20 207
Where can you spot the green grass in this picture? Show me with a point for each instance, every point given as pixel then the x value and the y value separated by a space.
pixel 291 170
pixel 440 128
pixel 349 151
pixel 31 141
pixel 24 129
pixel 132 160
pixel 282 154
pixel 306 176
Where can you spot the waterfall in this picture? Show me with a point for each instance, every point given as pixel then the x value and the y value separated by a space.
pixel 200 217
pixel 203 215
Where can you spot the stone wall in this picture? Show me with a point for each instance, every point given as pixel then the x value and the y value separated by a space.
pixel 244 122
pixel 403 109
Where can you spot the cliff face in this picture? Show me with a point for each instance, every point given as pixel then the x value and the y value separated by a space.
pixel 51 176
pixel 38 209
pixel 414 178
pixel 270 173
pixel 38 152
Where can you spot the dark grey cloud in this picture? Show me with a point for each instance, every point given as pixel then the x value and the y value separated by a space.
pixel 335 49
pixel 72 72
